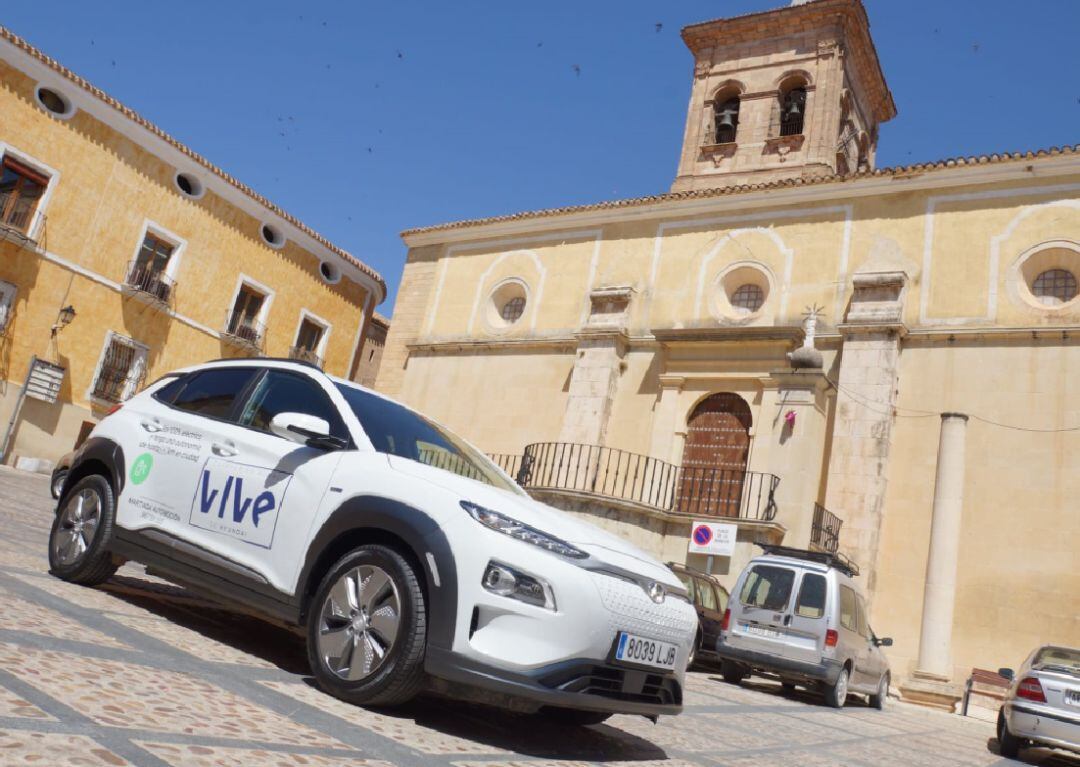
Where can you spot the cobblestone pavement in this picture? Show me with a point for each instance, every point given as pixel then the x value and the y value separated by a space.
pixel 139 672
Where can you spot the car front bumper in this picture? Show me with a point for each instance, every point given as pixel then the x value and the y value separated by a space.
pixel 1044 725
pixel 827 670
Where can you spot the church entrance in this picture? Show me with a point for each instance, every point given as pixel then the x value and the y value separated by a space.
pixel 714 460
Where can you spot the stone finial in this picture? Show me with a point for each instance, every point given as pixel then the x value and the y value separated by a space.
pixel 807 356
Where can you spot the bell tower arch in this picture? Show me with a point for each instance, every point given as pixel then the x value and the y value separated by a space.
pixel 788 93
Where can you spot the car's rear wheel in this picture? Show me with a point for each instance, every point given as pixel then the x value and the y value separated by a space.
pixel 81 532
pixel 836 693
pixel 574 717
pixel 367 628
pixel 733 673
pixel 1008 744
pixel 877 700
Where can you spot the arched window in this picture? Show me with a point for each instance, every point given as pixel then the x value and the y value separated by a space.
pixel 792 111
pixel 726 117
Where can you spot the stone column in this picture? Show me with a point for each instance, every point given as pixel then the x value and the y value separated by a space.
pixel 931 682
pixel 664 443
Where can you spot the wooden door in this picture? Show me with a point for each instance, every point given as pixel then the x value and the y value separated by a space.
pixel 714 459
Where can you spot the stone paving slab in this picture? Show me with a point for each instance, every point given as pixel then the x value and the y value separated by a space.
pixel 140 672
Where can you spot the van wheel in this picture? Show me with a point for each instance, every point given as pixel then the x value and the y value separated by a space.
pixel 732 672
pixel 81 533
pixel 836 693
pixel 877 700
pixel 1008 744
pixel 574 717
pixel 367 628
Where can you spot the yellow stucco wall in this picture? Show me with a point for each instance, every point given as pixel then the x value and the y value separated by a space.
pixel 958 244
pixel 104 191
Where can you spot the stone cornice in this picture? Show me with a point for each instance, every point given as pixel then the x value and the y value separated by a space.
pixel 745 334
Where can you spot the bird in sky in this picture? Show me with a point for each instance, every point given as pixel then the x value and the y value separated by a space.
pixel 577 69
pixel 659 26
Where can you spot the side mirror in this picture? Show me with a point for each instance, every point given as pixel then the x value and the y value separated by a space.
pixel 1007 673
pixel 883 642
pixel 305 429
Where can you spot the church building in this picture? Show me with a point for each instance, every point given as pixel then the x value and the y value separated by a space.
pixel 792 340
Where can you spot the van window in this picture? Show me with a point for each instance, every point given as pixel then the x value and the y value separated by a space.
pixel 848 609
pixel 767 587
pixel 811 602
pixel 708 596
pixel 864 620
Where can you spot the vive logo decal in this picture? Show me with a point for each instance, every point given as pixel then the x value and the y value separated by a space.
pixel 239 500
pixel 140 468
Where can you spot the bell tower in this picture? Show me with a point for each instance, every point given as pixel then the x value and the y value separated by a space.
pixel 790 93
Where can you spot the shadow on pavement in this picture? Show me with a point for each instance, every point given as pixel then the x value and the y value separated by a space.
pixel 1043 757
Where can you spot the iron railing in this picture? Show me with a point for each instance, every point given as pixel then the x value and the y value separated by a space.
pixel 825 529
pixel 508 462
pixel 25 226
pixel 612 473
pixel 305 355
pixel 245 331
pixel 151 282
pixel 120 374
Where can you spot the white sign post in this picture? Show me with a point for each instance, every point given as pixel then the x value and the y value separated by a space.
pixel 712 538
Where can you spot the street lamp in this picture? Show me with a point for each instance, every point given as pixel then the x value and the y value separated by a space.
pixel 67 314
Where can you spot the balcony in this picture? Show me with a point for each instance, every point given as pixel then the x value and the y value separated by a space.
pixel 149 284
pixel 245 332
pixel 305 354
pixel 607 473
pixel 22 226
pixel 825 530
pixel 116 381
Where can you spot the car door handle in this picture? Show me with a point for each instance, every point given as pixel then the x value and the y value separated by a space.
pixel 787 620
pixel 151 425
pixel 225 450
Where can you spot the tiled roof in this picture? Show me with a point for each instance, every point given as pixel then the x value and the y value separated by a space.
pixel 131 114
pixel 722 191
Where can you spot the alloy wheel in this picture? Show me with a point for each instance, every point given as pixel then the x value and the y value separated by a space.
pixel 841 687
pixel 359 622
pixel 78 525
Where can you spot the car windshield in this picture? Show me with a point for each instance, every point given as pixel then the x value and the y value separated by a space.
pixel 396 430
pixel 1058 659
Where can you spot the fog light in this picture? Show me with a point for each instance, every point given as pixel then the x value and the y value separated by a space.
pixel 514 584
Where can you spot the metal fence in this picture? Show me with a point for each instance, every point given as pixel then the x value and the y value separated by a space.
pixel 150 281
pixel 246 331
pixel 508 462
pixel 305 354
pixel 24 226
pixel 611 473
pixel 825 529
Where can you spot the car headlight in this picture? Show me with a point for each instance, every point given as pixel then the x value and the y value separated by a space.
pixel 521 531
pixel 507 582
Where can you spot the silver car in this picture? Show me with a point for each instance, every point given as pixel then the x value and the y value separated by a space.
pixel 1042 706
pixel 797 615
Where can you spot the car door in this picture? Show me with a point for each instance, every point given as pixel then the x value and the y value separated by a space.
pixel 260 503
pixel 167 437
pixel 710 615
pixel 867 668
pixel 806 621
pixel 757 612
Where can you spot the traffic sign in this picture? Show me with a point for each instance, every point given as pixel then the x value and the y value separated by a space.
pixel 712 538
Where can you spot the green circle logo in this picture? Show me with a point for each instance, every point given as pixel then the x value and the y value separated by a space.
pixel 140 470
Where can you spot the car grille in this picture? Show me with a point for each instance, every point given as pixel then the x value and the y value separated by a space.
pixel 630 609
pixel 617 683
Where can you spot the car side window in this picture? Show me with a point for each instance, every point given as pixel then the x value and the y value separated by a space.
pixel 767 587
pixel 722 597
pixel 708 596
pixel 283 392
pixel 212 393
pixel 687 581
pixel 864 621
pixel 811 602
pixel 848 610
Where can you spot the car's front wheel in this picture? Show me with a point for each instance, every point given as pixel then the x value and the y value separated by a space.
pixel 367 628
pixel 81 532
pixel 1008 744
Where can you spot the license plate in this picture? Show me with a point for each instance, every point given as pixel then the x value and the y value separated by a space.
pixel 761 631
pixel 645 652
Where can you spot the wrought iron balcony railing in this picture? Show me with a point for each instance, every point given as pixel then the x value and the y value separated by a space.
pixel 116 381
pixel 24 226
pixel 245 331
pixel 305 354
pixel 618 474
pixel 825 529
pixel 150 282
pixel 508 462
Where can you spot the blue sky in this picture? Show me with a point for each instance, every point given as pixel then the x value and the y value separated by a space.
pixel 365 118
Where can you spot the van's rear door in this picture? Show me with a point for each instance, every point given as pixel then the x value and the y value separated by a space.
pixel 759 607
pixel 806 620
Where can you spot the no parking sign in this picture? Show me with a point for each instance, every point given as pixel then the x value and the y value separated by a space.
pixel 712 538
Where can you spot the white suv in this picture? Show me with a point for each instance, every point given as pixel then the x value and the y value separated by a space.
pixel 411 559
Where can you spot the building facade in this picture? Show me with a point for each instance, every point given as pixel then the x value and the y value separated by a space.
pixel 367 369
pixel 123 255
pixel 817 350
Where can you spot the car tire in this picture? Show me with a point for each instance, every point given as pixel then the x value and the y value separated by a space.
pixel 692 657
pixel 732 672
pixel 1008 744
pixel 82 531
pixel 787 686
pixel 877 700
pixel 574 717
pixel 57 484
pixel 836 693
pixel 370 602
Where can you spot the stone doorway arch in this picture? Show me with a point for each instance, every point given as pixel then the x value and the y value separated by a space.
pixel 715 456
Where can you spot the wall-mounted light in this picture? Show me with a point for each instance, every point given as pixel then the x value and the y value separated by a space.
pixel 64 318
